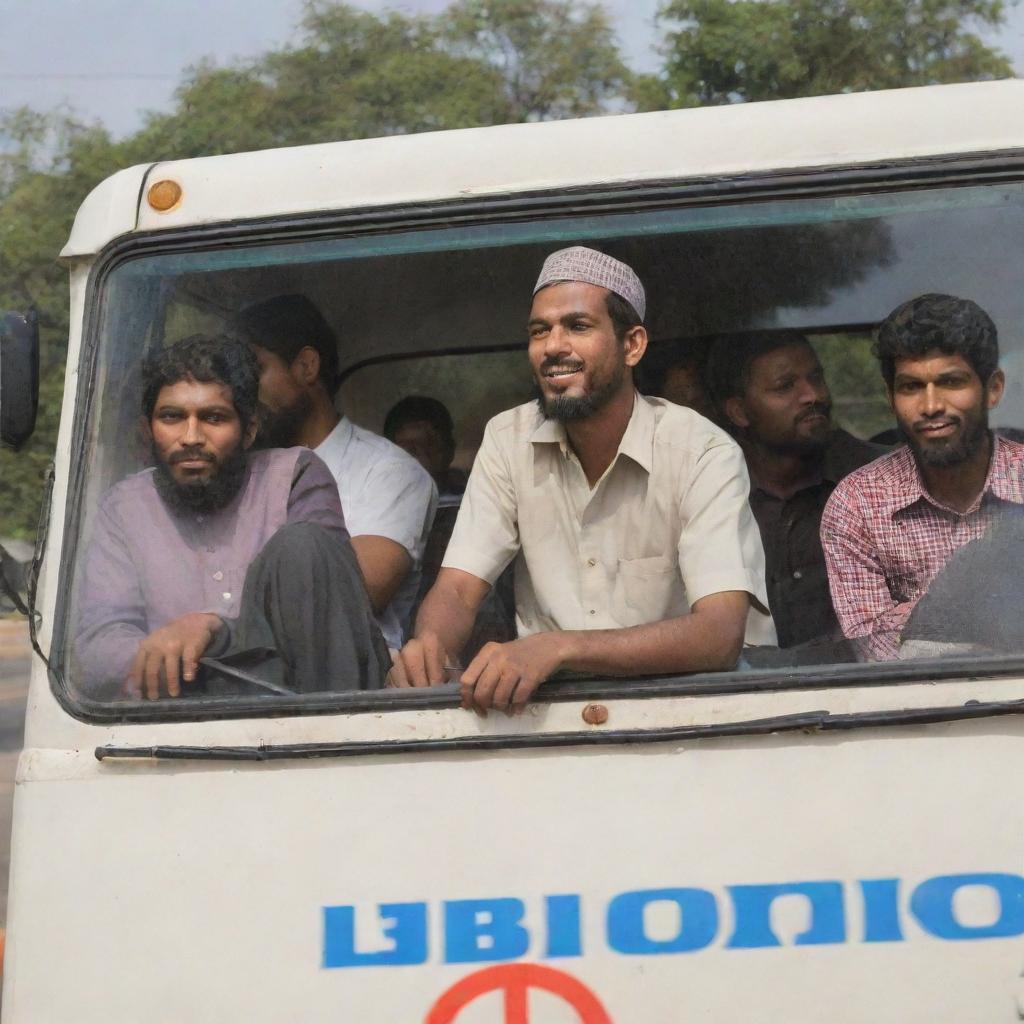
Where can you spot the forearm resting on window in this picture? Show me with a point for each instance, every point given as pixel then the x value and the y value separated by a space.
pixel 709 639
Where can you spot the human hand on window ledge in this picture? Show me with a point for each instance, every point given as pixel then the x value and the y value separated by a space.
pixel 170 655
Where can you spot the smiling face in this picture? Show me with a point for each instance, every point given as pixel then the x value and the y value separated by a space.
pixel 199 442
pixel 941 407
pixel 786 405
pixel 578 363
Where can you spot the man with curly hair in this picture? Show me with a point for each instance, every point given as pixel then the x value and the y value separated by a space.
pixel 220 571
pixel 890 527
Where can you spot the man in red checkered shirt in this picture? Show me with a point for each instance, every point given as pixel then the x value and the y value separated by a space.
pixel 891 526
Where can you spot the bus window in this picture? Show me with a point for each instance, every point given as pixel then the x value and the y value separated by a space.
pixel 440 310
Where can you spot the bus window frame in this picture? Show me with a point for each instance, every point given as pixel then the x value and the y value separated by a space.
pixel 888 176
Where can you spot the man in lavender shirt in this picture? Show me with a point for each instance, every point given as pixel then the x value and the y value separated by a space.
pixel 221 571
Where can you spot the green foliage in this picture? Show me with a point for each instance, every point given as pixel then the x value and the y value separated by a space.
pixel 384 75
pixel 354 75
pixel 723 51
pixel 368 78
pixel 554 59
pixel 48 164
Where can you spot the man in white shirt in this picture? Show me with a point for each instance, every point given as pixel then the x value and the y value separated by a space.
pixel 388 498
pixel 636 549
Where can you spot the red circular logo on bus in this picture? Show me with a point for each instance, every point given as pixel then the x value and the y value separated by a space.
pixel 514 981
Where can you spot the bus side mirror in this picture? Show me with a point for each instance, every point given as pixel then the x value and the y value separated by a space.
pixel 19 376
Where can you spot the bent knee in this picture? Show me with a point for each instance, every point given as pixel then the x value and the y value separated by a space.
pixel 303 542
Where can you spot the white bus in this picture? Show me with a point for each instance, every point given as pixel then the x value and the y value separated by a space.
pixel 799 843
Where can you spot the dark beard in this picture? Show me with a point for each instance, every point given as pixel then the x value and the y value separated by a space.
pixel 963 448
pixel 571 409
pixel 795 446
pixel 202 496
pixel 280 428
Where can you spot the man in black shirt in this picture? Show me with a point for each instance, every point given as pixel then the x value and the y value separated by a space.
pixel 770 390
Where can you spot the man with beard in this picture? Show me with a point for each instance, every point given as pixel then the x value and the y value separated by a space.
pixel 388 497
pixel 890 527
pixel 219 571
pixel 636 549
pixel 770 388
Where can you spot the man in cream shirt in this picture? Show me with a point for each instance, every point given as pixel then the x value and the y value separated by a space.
pixel 637 551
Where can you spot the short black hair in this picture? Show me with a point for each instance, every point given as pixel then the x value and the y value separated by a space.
pixel 623 316
pixel 938 322
pixel 285 325
pixel 727 372
pixel 421 409
pixel 206 358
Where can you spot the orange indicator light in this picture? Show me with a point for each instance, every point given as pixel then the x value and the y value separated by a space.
pixel 164 195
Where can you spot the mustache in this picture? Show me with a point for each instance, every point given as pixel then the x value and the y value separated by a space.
pixel 818 409
pixel 190 456
pixel 932 421
pixel 550 362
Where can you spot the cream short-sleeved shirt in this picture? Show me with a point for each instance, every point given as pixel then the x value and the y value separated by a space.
pixel 667 524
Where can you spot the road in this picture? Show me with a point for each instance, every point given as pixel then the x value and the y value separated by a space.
pixel 14 661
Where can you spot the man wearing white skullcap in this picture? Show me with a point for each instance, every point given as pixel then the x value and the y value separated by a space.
pixel 636 551
pixel 579 263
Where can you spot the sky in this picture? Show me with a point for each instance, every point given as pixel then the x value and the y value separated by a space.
pixel 112 60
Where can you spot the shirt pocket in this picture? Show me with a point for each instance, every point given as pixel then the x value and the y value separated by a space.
pixel 647 590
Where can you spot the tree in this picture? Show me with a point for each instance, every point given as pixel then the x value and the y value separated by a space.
pixel 384 75
pixel 48 164
pixel 554 59
pixel 352 75
pixel 723 51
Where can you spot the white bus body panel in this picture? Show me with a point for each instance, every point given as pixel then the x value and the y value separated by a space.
pixel 194 893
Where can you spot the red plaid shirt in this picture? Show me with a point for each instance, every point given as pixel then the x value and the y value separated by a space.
pixel 885 539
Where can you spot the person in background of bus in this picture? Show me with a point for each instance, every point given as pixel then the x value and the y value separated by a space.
pixel 771 391
pixel 891 526
pixel 637 552
pixel 423 427
pixel 218 553
pixel 674 370
pixel 388 498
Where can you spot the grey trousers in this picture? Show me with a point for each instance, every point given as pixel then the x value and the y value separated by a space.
pixel 305 624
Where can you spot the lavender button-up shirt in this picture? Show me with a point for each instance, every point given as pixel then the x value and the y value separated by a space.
pixel 147 565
